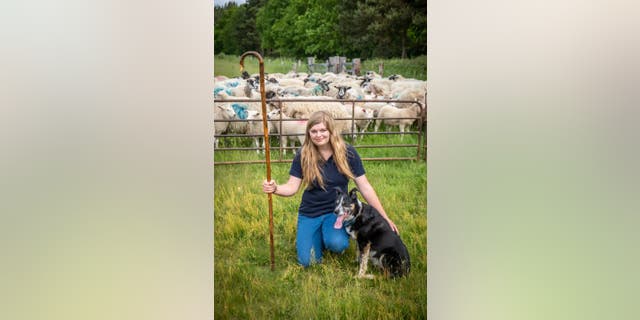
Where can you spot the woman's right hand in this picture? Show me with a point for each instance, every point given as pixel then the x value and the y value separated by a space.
pixel 269 186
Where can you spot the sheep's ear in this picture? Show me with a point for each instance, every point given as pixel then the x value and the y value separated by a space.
pixel 347 88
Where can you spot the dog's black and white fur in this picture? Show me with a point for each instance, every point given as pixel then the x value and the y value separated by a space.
pixel 375 238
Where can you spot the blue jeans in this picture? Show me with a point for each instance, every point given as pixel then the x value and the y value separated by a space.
pixel 317 234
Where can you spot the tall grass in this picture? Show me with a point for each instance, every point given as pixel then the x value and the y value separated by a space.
pixel 409 68
pixel 245 288
pixel 229 65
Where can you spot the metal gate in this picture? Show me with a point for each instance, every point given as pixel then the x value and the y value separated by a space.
pixel 420 125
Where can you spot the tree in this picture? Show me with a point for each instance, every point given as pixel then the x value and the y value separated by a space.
pixel 266 17
pixel 386 24
pixel 297 28
pixel 319 26
pixel 235 32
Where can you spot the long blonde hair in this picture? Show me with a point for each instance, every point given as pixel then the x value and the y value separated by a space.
pixel 310 157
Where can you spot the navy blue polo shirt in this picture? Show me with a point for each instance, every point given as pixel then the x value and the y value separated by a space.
pixel 316 201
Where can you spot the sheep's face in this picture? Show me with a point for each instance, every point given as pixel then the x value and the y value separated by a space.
pixel 253 115
pixel 274 114
pixel 253 84
pixel 270 94
pixel 227 111
pixel 342 91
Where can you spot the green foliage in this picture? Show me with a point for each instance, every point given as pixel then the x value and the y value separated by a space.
pixel 409 68
pixel 234 29
pixel 300 28
pixel 246 288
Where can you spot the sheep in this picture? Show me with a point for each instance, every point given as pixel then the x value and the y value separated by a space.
pixel 286 82
pixel 302 110
pixel 331 92
pixel 241 107
pixel 255 127
pixel 242 114
pixel 393 112
pixel 376 106
pixel 413 94
pixel 372 75
pixel 400 86
pixel 379 87
pixel 329 77
pixel 288 127
pixel 362 118
pixel 242 88
pixel 318 90
pixel 221 112
pixel 349 93
pixel 230 87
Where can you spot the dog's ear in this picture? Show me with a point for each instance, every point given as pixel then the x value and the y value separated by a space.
pixel 352 194
pixel 338 191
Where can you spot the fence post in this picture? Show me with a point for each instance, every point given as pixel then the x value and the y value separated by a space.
pixel 334 63
pixel 341 65
pixel 381 69
pixel 356 66
pixel 310 62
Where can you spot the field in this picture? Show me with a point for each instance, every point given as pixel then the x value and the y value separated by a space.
pixel 245 288
pixel 229 66
pixel 244 285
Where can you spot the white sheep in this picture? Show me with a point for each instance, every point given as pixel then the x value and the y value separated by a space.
pixel 252 126
pixel 302 110
pixel 413 94
pixel 379 87
pixel 317 90
pixel 297 127
pixel 393 112
pixel 255 127
pixel 349 92
pixel 362 118
pixel 221 112
pixel 400 85
pixel 376 106
pixel 286 82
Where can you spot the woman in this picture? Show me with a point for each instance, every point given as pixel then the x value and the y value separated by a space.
pixel 323 162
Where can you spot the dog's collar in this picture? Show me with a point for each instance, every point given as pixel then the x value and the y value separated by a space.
pixel 348 223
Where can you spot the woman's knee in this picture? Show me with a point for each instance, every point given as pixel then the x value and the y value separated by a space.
pixel 337 244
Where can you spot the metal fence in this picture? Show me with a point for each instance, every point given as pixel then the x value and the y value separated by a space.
pixel 420 131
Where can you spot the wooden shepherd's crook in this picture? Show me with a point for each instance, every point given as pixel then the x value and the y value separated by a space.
pixel 267 152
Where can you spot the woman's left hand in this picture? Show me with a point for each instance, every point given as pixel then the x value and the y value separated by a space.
pixel 393 226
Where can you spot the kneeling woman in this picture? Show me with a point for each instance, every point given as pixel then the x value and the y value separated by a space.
pixel 323 162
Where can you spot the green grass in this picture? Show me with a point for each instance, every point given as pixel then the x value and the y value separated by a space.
pixel 409 68
pixel 229 65
pixel 246 288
